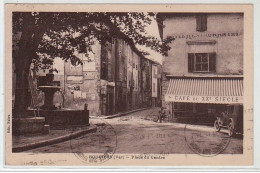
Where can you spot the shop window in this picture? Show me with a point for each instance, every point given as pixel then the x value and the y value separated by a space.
pixel 201 21
pixel 183 106
pixel 206 109
pixel 202 110
pixel 211 111
pixel 202 62
pixel 182 109
pixel 230 109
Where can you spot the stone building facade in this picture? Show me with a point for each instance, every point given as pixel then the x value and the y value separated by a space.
pixel 115 78
pixel 205 61
pixel 129 86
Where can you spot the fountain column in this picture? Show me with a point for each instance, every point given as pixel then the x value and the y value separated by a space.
pixel 49 93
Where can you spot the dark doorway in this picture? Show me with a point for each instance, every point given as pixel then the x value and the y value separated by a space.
pixel 110 97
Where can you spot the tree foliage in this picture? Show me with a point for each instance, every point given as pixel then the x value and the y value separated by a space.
pixel 62 34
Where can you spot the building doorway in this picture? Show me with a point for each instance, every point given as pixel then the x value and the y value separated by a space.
pixel 110 100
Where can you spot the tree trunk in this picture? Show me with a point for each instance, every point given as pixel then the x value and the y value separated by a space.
pixel 22 97
pixel 28 44
pixel 22 69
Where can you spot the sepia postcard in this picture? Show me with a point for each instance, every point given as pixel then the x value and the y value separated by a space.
pixel 128 85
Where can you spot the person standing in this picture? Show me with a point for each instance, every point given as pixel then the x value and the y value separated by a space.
pixel 162 113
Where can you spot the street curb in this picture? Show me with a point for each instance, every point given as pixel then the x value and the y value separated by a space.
pixel 194 127
pixel 53 141
pixel 190 126
pixel 124 113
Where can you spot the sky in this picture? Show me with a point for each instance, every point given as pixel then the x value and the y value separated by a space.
pixel 152 30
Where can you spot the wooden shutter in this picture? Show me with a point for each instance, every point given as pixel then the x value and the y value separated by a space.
pixel 190 62
pixel 103 63
pixel 198 23
pixel 204 22
pixel 201 22
pixel 212 62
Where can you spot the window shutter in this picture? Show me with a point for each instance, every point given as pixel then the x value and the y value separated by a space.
pixel 109 72
pixel 198 23
pixel 204 23
pixel 190 62
pixel 201 22
pixel 212 62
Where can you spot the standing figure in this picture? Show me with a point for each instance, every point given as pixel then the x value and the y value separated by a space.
pixel 162 114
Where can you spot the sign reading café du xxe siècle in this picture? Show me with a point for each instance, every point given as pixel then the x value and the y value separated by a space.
pixel 205 99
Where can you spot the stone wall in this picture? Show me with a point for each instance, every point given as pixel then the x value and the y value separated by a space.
pixel 165 84
pixel 224 31
pixel 87 89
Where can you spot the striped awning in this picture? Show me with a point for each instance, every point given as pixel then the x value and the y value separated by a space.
pixel 204 90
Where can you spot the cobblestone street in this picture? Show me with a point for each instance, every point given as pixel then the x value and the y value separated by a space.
pixel 138 133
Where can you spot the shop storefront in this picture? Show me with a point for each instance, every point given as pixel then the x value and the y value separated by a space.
pixel 200 99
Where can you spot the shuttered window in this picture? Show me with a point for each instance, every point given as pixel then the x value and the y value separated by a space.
pixel 191 62
pixel 104 64
pixel 201 21
pixel 202 62
pixel 212 62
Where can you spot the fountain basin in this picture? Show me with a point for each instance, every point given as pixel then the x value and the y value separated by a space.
pixel 62 118
pixel 28 125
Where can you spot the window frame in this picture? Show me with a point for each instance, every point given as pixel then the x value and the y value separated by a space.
pixel 201 63
pixel 211 63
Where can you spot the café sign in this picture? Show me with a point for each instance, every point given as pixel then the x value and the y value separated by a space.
pixel 204 99
pixel 206 35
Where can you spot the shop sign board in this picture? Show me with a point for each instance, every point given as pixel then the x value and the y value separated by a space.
pixel 206 35
pixel 204 99
pixel 74 79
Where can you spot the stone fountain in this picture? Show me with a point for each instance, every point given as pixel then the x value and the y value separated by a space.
pixel 49 91
pixel 36 124
pixel 62 117
pixel 49 114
